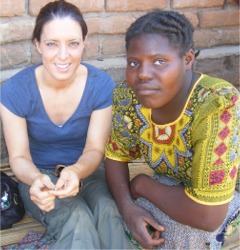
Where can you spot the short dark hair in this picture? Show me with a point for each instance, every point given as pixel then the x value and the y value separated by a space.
pixel 171 24
pixel 58 9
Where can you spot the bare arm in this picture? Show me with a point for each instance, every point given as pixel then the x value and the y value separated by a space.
pixel 117 174
pixel 173 201
pixel 136 218
pixel 98 132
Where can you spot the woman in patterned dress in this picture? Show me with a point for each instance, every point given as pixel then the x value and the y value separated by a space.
pixel 185 125
pixel 57 116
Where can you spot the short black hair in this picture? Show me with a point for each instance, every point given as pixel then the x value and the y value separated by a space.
pixel 170 24
pixel 58 9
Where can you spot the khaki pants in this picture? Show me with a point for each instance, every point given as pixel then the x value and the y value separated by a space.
pixel 89 220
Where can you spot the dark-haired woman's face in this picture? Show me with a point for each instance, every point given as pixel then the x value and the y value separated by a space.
pixel 155 70
pixel 61 47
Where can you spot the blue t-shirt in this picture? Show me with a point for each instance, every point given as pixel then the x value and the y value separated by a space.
pixel 50 144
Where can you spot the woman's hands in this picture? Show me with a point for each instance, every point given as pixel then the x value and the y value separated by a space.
pixel 39 192
pixel 43 192
pixel 144 228
pixel 68 183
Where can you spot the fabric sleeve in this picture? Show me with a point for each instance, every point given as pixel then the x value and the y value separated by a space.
pixel 103 92
pixel 123 144
pixel 216 139
pixel 15 97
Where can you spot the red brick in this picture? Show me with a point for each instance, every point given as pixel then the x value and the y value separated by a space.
pixel 35 56
pixel 220 18
pixel 92 47
pixel 209 38
pixel 136 5
pixel 13 55
pixel 109 25
pixel 16 31
pixel 36 5
pixel 232 3
pixel 205 38
pixel 113 45
pixel 83 5
pixel 192 17
pixel 10 8
pixel 230 36
pixel 93 25
pixel 180 4
pixel 89 5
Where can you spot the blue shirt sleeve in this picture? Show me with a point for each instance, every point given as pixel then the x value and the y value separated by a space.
pixel 99 88
pixel 16 93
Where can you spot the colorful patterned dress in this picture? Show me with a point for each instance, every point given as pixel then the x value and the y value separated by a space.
pixel 200 150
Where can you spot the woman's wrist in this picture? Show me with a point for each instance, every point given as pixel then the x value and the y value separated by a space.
pixel 126 208
pixel 77 169
pixel 35 176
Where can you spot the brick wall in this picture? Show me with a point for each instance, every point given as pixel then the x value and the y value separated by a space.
pixel 216 25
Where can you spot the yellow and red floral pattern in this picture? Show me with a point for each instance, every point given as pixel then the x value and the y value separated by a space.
pixel 201 149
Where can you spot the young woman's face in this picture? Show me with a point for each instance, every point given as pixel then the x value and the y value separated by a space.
pixel 61 46
pixel 155 70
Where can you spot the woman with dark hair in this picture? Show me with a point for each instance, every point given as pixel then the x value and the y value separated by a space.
pixel 185 125
pixel 56 119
